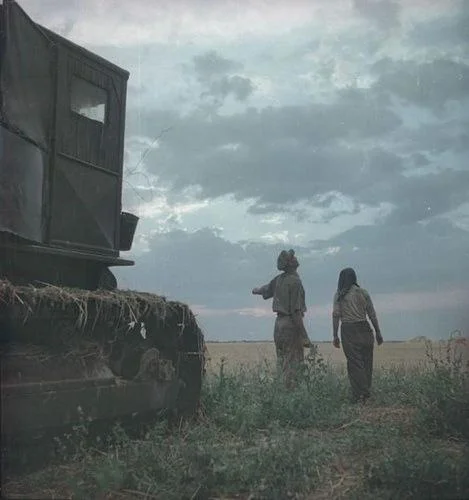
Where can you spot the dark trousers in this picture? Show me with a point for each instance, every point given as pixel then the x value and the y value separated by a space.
pixel 358 343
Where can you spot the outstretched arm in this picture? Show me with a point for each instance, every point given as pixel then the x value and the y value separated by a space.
pixel 267 291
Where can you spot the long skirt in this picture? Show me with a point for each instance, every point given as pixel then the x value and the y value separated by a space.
pixel 289 348
pixel 358 344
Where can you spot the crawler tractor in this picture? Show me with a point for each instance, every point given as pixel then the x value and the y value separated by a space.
pixel 74 346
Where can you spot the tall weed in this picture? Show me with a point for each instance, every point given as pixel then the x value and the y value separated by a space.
pixel 444 396
pixel 417 469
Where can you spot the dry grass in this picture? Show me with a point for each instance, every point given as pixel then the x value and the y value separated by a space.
pixel 255 437
pixel 89 307
pixel 253 431
pixel 252 354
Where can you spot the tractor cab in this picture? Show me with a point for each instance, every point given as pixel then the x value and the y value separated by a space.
pixel 62 120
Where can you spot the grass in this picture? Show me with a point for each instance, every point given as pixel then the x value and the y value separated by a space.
pixel 255 439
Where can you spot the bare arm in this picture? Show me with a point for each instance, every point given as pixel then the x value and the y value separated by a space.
pixel 370 310
pixel 335 322
pixel 335 326
pixel 335 330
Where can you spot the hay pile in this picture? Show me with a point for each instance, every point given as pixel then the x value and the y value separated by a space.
pixel 84 334
pixel 121 306
pixel 54 313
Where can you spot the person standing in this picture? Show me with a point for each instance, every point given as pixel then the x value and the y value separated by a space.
pixel 352 304
pixel 290 335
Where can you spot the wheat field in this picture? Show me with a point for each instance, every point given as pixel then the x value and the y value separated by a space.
pixel 251 354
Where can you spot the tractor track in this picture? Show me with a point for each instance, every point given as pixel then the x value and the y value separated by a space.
pixel 26 454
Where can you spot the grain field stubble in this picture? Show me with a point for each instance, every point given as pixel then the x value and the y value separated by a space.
pixel 250 354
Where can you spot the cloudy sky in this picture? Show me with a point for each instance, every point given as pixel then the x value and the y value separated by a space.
pixel 339 128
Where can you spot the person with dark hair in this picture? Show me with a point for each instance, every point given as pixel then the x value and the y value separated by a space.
pixel 290 335
pixel 352 305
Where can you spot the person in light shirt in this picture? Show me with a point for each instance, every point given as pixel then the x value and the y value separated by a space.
pixel 290 335
pixel 351 306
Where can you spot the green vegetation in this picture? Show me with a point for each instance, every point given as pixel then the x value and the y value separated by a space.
pixel 254 439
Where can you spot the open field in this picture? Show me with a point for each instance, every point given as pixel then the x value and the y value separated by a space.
pixel 251 354
pixel 253 439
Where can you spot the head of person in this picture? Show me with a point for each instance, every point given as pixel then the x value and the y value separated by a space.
pixel 347 278
pixel 287 261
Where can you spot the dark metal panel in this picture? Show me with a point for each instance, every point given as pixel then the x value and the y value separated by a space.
pixel 26 251
pixel 2 48
pixel 121 91
pixel 48 184
pixel 83 139
pixel 87 164
pixel 90 115
pixel 26 77
pixel 89 145
pixel 86 161
pixel 83 210
pixel 21 180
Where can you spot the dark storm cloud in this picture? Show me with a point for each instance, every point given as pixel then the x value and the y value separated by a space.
pixel 276 154
pixel 216 75
pixel 397 258
pixel 241 88
pixel 211 64
pixel 430 84
pixel 279 156
pixel 420 160
pixel 327 201
pixel 446 31
pixel 436 138
pixel 434 194
pixel 421 196
pixel 384 13
pixel 203 268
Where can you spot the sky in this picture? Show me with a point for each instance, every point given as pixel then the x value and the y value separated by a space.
pixel 338 128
